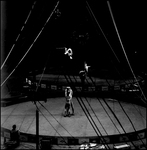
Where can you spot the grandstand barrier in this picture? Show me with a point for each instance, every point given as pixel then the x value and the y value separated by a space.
pixel 120 92
pixel 56 140
pixel 99 88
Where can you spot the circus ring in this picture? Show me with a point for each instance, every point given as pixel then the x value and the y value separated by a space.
pixel 76 130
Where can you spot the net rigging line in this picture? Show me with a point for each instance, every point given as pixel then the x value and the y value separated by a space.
pixel 59 122
pixel 104 36
pixel 30 123
pixel 9 114
pixel 31 45
pixel 108 115
pixel 18 35
pixel 98 24
pixel 45 107
pixel 50 123
pixel 139 111
pixel 91 13
pixel 113 113
pixel 93 111
pixel 124 50
pixel 93 124
pixel 130 121
pixel 129 83
pixel 42 104
pixel 55 118
pixel 101 29
pixel 50 112
pixel 126 84
pixel 126 115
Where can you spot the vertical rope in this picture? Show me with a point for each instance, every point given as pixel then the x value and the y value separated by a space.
pixel 124 49
pixel 31 45
pixel 18 36
pixel 102 31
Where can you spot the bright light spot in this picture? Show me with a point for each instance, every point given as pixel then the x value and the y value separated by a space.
pixel 69 52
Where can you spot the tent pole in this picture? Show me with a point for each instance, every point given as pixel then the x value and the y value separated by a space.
pixel 37 129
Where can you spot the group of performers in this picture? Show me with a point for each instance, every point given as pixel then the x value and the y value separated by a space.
pixel 69 92
pixel 69 107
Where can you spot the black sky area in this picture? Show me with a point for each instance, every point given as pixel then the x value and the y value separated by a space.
pixel 67 29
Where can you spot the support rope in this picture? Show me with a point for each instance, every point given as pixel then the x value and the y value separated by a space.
pixel 18 36
pixel 94 126
pixel 91 12
pixel 124 49
pixel 31 45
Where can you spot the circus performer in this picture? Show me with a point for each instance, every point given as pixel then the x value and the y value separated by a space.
pixel 83 74
pixel 69 52
pixel 69 102
pixel 86 67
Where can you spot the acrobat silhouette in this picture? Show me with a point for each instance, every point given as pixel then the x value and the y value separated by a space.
pixel 83 74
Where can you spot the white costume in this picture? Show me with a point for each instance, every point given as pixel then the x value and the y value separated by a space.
pixel 69 52
pixel 68 96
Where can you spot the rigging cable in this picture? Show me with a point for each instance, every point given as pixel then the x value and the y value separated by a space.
pixel 133 74
pixel 30 124
pixel 10 114
pixel 112 112
pixel 41 103
pixel 45 107
pixel 93 110
pixel 18 35
pixel 103 34
pixel 139 111
pixel 82 107
pixel 104 100
pixel 124 49
pixel 129 120
pixel 102 139
pixel 49 122
pixel 131 123
pixel 109 116
pixel 125 55
pixel 126 84
pixel 31 44
pixel 135 92
pixel 89 9
pixel 55 119
pixel 129 82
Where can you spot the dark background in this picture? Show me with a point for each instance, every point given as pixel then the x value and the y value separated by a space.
pixel 75 28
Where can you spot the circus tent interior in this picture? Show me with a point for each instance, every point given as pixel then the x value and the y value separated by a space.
pixel 45 47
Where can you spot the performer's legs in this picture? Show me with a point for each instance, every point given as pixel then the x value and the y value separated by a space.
pixel 67 107
pixel 72 107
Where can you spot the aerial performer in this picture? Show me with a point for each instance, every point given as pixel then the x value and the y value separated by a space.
pixel 69 52
pixel 83 74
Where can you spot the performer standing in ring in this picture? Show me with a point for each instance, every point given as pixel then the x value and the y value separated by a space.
pixel 69 102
